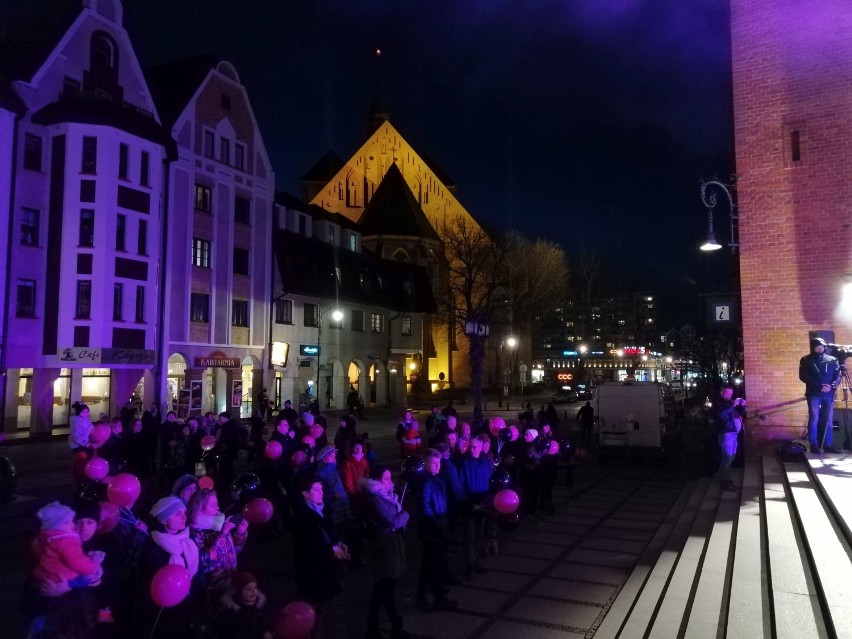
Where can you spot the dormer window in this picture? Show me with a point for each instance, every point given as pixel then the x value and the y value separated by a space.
pixel 103 52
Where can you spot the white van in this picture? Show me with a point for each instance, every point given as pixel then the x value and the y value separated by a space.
pixel 635 419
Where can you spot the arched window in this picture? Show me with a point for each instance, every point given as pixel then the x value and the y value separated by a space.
pixel 400 255
pixel 104 54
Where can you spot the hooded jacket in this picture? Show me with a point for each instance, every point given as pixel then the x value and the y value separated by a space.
pixel 388 520
pixel 816 369
pixel 60 558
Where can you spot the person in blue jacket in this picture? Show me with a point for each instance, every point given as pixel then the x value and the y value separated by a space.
pixel 819 373
pixel 475 474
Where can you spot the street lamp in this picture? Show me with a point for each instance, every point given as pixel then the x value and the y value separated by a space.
pixel 511 342
pixel 709 188
pixel 337 317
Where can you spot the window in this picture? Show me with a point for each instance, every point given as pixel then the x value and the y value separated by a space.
pixel 90 155
pixel 117 301
pixel 123 153
pixel 283 312
pixel 142 238
pixel 120 231
pixel 87 227
pixel 32 152
pixel 242 210
pixel 84 299
pixel 140 303
pixel 30 227
pixel 209 144
pixel 377 321
pixel 103 53
pixel 239 156
pixel 26 299
pixel 241 261
pixel 203 198
pixel 353 242
pixel 240 313
pixel 405 326
pixel 143 168
pixel 795 145
pixel 199 307
pixel 311 315
pixel 70 87
pixel 225 151
pixel 357 321
pixel 200 252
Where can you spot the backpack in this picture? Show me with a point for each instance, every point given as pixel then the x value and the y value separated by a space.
pixel 792 451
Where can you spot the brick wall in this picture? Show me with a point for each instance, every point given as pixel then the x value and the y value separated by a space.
pixel 792 71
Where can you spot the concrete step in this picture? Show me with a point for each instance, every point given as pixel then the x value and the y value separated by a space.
pixel 633 608
pixel 795 600
pixel 826 548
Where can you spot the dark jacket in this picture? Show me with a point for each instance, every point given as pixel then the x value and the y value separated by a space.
pixel 817 369
pixel 433 508
pixel 236 620
pixel 388 520
pixel 319 575
pixel 475 475
pixel 725 415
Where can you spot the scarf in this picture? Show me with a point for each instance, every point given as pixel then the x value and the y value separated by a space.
pixel 182 550
pixel 209 522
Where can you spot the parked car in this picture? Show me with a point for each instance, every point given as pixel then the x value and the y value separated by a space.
pixel 564 396
pixel 584 393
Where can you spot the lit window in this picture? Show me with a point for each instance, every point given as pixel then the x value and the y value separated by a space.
pixel 203 198
pixel 200 252
pixel 405 326
pixel 377 321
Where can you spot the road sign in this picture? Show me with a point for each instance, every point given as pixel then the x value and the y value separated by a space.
pixel 472 328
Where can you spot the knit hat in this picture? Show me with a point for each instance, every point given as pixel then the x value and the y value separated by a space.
pixel 325 452
pixel 166 507
pixel 182 482
pixel 241 580
pixel 55 515
pixel 87 509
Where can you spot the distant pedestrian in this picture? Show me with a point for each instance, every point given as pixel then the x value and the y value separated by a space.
pixel 586 419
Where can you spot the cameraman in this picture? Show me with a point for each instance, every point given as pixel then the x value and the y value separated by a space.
pixel 819 373
pixel 728 416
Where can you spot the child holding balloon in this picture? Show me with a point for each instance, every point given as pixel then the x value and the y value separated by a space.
pixel 219 540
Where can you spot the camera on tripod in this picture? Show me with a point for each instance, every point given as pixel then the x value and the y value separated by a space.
pixel 840 351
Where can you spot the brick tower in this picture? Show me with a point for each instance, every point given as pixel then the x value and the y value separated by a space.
pixel 792 82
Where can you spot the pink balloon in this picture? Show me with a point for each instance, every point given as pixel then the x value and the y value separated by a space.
pixel 273 449
pixel 109 517
pixel 296 620
pixel 96 468
pixel 170 585
pixel 515 433
pixel 506 501
pixel 298 459
pixel 206 483
pixel 124 490
pixel 258 511
pixel 316 431
pixel 100 433
pixel 208 442
pixel 307 439
pixel 496 425
pixel 553 449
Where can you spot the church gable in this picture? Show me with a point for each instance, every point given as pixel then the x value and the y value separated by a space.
pixel 355 184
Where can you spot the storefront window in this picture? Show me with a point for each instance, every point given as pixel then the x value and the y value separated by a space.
pixel 245 407
pixel 61 398
pixel 177 371
pixel 95 392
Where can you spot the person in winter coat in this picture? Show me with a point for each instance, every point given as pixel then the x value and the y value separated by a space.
pixel 219 540
pixel 387 519
pixel 408 436
pixel 475 476
pixel 168 543
pixel 336 498
pixel 80 429
pixel 354 467
pixel 820 373
pixel 346 432
pixel 318 553
pixel 433 527
pixel 727 416
pixel 243 612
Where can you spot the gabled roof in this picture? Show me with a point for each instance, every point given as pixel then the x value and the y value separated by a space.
pixel 308 267
pixel 291 202
pixel 393 210
pixel 173 84
pixel 324 169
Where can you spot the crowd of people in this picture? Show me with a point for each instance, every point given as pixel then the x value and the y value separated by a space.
pixel 96 558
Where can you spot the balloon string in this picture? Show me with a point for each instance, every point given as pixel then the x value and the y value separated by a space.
pixel 130 517
pixel 156 621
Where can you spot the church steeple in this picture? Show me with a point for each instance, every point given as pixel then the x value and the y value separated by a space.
pixel 379 113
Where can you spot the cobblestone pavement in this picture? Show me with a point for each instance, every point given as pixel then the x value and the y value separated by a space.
pixel 555 576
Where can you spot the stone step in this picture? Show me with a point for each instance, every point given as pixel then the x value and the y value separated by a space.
pixel 795 601
pixel 826 548
pixel 636 601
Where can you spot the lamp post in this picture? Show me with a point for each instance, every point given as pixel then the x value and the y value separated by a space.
pixel 511 342
pixel 337 316
pixel 709 189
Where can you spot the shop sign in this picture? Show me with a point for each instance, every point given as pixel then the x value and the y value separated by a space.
pixel 309 350
pixel 125 356
pixel 569 353
pixel 216 361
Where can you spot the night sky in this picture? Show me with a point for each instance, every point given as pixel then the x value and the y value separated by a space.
pixel 589 122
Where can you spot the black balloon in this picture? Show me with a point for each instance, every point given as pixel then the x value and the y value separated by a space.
pixel 94 491
pixel 509 460
pixel 510 521
pixel 117 466
pixel 506 436
pixel 8 479
pixel 541 444
pixel 412 467
pixel 500 479
pixel 245 485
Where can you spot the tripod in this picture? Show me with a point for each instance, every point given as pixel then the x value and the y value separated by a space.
pixel 845 386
